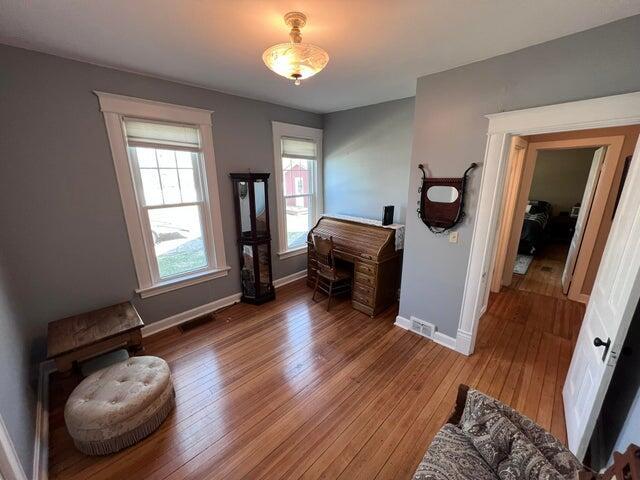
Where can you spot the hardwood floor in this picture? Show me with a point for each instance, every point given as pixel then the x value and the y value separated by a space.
pixel 287 390
pixel 544 275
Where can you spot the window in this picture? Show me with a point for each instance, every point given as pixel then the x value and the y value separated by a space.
pixel 298 166
pixel 166 172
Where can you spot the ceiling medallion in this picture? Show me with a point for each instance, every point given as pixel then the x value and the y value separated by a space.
pixel 295 60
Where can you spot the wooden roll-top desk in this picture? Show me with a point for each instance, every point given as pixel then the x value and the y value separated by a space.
pixel 372 251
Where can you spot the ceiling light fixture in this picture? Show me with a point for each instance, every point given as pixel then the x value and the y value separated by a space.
pixel 295 60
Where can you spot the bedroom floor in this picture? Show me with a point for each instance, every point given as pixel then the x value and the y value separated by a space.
pixel 287 390
pixel 544 275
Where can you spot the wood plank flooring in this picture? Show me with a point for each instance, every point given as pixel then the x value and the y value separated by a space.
pixel 544 275
pixel 288 390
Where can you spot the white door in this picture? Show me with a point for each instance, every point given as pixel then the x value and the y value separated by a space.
pixel 583 217
pixel 611 306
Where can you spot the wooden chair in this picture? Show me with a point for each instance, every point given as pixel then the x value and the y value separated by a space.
pixel 335 280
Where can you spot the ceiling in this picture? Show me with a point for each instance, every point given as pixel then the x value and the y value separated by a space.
pixel 377 47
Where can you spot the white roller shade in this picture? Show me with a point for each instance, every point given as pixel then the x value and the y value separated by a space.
pixel 144 133
pixel 298 148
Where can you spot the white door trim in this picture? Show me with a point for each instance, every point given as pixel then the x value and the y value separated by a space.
pixel 613 111
pixel 10 466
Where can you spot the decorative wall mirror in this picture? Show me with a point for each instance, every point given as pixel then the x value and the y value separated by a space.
pixel 441 204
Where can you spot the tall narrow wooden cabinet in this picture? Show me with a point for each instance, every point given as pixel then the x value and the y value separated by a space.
pixel 251 200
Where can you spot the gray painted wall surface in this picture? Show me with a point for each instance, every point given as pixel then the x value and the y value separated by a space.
pixel 367 152
pixel 17 400
pixel 560 177
pixel 450 133
pixel 64 238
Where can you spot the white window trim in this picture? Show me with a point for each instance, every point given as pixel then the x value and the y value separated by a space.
pixel 297 131
pixel 114 108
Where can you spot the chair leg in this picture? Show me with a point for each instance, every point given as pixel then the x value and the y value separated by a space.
pixel 330 293
pixel 315 289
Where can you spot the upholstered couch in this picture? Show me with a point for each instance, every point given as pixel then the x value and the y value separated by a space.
pixel 487 440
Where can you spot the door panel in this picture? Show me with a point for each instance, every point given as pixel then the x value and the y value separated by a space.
pixel 583 217
pixel 613 301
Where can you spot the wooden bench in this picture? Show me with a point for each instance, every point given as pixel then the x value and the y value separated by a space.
pixel 90 334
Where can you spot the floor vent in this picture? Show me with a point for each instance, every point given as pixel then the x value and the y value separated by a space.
pixel 421 327
pixel 196 322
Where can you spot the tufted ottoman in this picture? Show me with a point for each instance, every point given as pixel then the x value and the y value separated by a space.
pixel 118 406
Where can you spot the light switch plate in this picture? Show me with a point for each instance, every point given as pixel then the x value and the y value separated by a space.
pixel 453 237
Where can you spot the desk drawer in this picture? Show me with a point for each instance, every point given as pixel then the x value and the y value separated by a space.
pixel 363 289
pixel 365 279
pixel 365 268
pixel 364 299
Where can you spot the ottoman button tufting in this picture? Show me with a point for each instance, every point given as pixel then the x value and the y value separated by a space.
pixel 94 422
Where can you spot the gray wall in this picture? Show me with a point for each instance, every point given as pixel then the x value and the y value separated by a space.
pixel 450 133
pixel 63 240
pixel 66 243
pixel 560 176
pixel 367 152
pixel 17 400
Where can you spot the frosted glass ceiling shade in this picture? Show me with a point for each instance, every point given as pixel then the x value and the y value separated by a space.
pixel 295 60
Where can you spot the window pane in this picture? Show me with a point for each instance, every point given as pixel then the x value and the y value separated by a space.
pixel 177 235
pixel 170 186
pixel 151 186
pixel 146 157
pixel 185 159
pixel 297 176
pixel 299 213
pixel 187 185
pixel 166 158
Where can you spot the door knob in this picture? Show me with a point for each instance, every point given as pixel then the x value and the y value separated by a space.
pixel 599 343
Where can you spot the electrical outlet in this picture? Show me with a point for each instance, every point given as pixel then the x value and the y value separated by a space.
pixel 453 237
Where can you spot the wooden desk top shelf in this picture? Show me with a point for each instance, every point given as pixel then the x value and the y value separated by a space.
pixel 374 253
pixel 90 334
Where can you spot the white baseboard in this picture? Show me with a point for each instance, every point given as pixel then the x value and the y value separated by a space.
pixel 289 278
pixel 444 340
pixel 402 322
pixel 177 319
pixel 41 441
pixel 463 343
pixel 438 337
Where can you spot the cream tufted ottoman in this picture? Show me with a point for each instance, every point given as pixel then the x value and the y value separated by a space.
pixel 118 406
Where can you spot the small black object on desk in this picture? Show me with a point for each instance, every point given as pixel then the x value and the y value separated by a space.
pixel 387 218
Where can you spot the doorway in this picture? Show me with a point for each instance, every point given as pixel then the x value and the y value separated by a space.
pixel 559 191
pixel 616 289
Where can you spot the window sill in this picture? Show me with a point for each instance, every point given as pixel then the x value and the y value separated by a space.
pixel 175 284
pixel 293 252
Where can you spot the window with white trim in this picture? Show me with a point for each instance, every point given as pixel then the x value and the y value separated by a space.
pixel 298 166
pixel 166 172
